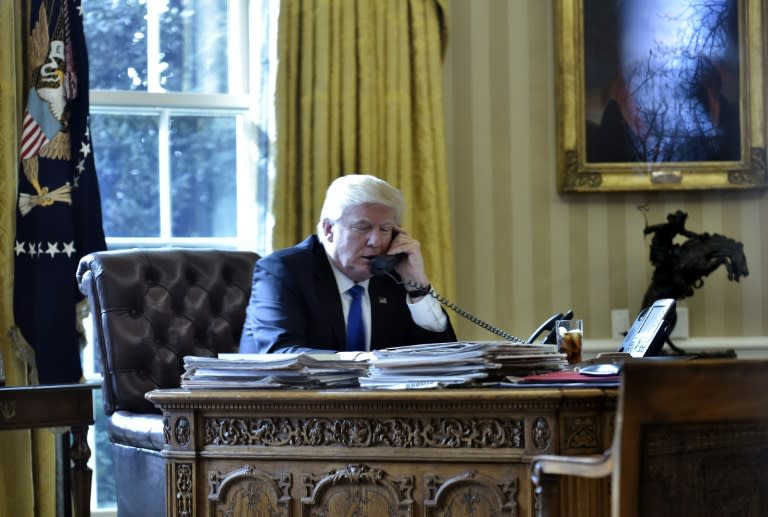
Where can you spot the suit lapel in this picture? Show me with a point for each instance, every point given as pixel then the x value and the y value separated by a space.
pixel 382 310
pixel 326 289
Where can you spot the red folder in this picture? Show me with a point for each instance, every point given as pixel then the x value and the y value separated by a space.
pixel 569 376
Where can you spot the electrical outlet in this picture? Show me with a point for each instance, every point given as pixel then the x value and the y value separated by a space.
pixel 681 327
pixel 619 323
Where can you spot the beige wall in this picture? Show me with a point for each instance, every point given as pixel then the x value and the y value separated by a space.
pixel 522 250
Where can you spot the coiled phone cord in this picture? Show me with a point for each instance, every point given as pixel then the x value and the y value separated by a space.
pixel 385 268
pixel 474 319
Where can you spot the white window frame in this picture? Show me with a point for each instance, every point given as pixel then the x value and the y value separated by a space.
pixel 164 106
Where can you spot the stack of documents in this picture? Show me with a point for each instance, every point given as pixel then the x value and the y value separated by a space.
pixel 298 370
pixel 468 363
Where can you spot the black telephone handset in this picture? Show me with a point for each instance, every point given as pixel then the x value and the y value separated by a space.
pixel 385 265
pixel 548 326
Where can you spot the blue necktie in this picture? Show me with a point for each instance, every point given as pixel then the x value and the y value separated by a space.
pixel 355 328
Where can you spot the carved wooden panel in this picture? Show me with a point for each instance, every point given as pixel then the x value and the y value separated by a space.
pixel 178 431
pixel 471 495
pixel 180 486
pixel 705 470
pixel 582 433
pixel 443 433
pixel 249 492
pixel 357 490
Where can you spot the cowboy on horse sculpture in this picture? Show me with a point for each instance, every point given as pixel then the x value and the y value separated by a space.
pixel 681 268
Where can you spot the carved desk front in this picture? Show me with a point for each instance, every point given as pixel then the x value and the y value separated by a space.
pixel 457 452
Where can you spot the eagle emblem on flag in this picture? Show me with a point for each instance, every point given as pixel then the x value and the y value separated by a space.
pixel 59 208
pixel 45 131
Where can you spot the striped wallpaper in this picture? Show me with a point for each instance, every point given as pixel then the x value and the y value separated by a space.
pixel 522 250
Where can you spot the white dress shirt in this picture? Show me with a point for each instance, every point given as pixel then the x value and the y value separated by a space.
pixel 426 313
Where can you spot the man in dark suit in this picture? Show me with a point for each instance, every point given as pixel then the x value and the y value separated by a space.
pixel 299 300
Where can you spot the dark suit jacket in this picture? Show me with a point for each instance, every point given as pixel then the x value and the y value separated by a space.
pixel 295 304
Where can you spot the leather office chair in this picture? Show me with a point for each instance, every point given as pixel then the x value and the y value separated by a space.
pixel 150 308
pixel 691 438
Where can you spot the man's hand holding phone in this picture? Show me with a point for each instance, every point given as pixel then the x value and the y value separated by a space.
pixel 411 268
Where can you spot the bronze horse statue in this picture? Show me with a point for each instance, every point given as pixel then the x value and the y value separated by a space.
pixel 681 268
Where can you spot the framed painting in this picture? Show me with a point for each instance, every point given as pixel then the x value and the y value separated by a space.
pixel 660 94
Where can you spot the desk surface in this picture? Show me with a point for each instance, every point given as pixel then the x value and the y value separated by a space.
pixel 547 391
pixel 55 405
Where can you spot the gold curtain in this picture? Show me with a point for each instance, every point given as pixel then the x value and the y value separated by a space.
pixel 360 90
pixel 27 469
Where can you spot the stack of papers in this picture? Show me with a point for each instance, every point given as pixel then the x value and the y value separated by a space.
pixel 468 363
pixel 297 370
pixel 465 363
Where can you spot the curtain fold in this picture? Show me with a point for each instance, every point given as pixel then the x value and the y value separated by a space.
pixel 360 90
pixel 27 469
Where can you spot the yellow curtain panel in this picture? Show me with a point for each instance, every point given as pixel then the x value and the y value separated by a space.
pixel 360 90
pixel 27 469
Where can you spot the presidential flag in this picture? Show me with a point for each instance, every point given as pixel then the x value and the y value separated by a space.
pixel 59 210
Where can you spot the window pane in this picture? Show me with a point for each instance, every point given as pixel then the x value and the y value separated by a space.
pixel 190 54
pixel 105 462
pixel 125 150
pixel 193 46
pixel 203 176
pixel 111 25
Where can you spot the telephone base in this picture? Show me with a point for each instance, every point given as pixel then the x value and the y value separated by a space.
pixel 615 359
pixel 618 359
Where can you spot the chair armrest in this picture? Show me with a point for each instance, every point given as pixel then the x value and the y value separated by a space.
pixel 547 469
pixel 593 466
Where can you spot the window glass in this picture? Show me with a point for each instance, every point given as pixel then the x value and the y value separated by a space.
pixel 126 148
pixel 112 25
pixel 193 46
pixel 203 177
pixel 165 45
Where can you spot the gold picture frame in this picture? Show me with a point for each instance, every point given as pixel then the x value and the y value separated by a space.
pixel 696 111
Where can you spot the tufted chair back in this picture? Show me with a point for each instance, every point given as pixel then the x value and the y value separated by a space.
pixel 152 307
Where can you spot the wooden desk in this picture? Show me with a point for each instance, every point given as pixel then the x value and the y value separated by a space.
pixel 452 452
pixel 69 405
